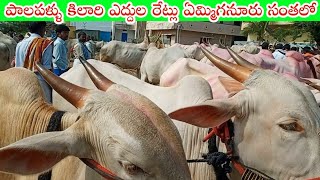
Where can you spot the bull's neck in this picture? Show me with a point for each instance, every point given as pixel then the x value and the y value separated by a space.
pixel 35 118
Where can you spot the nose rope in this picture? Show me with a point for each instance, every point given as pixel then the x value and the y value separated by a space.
pixel 221 161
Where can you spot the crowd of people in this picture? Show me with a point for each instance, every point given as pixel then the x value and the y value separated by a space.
pixel 278 52
pixel 52 52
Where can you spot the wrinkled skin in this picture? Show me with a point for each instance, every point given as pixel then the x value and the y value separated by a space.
pixel 113 128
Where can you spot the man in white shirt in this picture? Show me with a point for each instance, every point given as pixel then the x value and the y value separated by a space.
pixel 279 53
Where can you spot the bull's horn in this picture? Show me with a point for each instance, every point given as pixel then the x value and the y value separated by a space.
pixel 237 72
pixel 72 93
pixel 97 78
pixel 241 61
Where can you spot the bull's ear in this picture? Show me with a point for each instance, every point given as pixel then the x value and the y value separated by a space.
pixel 231 86
pixel 208 114
pixel 40 152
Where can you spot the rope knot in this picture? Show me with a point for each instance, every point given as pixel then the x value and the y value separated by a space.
pixel 218 159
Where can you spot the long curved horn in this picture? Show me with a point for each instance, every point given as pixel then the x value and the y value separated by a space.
pixel 241 61
pixel 237 72
pixel 72 93
pixel 97 78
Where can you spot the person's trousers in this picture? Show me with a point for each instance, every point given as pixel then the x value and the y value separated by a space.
pixel 58 72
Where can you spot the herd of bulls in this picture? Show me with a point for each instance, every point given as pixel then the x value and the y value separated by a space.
pixel 147 127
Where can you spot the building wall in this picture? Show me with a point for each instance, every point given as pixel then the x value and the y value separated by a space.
pixel 214 28
pixel 206 27
pixel 131 35
pixel 102 26
pixel 118 34
pixel 105 36
pixel 159 25
pixel 192 31
pixel 189 37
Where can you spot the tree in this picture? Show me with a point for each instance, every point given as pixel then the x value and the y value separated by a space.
pixel 14 26
pixel 279 34
pixel 309 27
pixel 257 28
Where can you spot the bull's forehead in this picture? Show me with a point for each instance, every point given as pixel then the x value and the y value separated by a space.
pixel 137 115
pixel 281 96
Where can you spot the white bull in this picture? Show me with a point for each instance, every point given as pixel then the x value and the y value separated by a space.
pixel 192 51
pixel 190 90
pixel 156 61
pixel 276 122
pixel 113 128
pixel 249 48
pixel 126 55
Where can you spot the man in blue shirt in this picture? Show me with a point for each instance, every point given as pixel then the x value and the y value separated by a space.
pixel 80 50
pixel 53 33
pixel 23 53
pixel 60 50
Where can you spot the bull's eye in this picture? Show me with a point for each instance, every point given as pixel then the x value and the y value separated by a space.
pixel 131 168
pixel 293 126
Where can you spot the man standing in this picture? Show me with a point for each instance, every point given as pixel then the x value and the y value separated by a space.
pixel 90 46
pixel 80 50
pixel 265 50
pixel 33 49
pixel 279 53
pixel 53 33
pixel 60 50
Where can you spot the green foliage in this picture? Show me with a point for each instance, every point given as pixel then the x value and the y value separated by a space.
pixel 257 28
pixel 294 31
pixel 14 26
pixel 280 34
pixel 309 27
